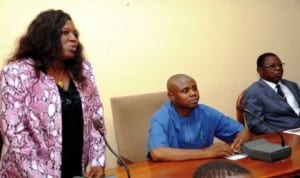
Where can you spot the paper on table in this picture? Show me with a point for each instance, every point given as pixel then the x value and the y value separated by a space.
pixel 237 156
pixel 293 131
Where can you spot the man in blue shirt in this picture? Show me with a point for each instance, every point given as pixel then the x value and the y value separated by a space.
pixel 183 129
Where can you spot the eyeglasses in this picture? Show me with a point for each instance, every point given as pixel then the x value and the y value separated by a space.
pixel 273 66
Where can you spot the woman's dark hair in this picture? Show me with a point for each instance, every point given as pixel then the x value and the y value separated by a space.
pixel 42 44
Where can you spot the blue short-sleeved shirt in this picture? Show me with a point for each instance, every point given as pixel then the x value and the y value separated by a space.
pixel 169 129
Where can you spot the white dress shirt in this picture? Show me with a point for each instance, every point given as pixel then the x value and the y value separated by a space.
pixel 290 98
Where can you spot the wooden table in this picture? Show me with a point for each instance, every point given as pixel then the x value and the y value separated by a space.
pixel 288 167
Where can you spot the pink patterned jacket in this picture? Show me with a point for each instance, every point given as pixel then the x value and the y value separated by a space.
pixel 31 123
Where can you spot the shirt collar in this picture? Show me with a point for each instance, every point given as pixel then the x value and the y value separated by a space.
pixel 271 84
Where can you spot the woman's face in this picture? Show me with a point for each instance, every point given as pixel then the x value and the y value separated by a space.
pixel 69 40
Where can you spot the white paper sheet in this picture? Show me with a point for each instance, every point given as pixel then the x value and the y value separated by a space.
pixel 293 131
pixel 237 156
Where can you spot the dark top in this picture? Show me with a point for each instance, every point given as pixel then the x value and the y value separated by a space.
pixel 72 132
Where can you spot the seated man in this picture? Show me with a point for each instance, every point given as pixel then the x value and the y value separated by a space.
pixel 183 129
pixel 222 169
pixel 277 107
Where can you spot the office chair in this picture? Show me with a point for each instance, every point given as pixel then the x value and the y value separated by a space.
pixel 240 115
pixel 131 116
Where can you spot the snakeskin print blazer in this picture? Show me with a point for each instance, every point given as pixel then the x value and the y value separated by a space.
pixel 31 123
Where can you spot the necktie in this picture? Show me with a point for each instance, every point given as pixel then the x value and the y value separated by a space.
pixel 279 91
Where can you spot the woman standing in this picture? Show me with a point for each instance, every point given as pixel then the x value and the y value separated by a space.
pixel 49 101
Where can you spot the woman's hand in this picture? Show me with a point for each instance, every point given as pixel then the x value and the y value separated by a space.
pixel 95 172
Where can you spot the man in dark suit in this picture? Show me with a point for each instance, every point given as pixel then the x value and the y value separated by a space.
pixel 273 99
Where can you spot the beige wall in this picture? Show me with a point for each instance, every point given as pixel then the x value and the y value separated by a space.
pixel 135 45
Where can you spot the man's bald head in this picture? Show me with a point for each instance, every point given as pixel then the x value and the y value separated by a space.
pixel 177 80
pixel 183 93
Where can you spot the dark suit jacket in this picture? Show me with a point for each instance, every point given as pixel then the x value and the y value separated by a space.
pixel 264 102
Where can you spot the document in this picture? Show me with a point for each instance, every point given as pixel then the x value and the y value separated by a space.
pixel 236 156
pixel 293 131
